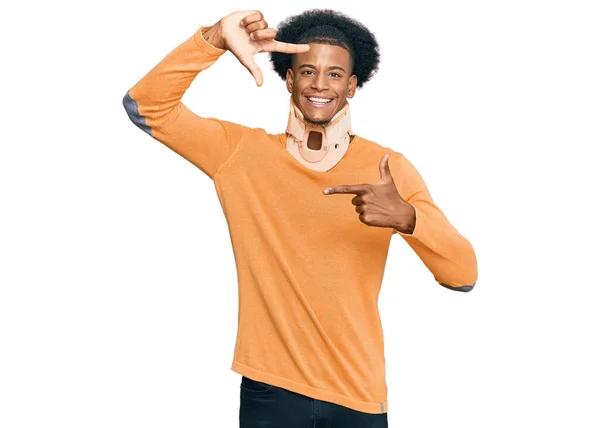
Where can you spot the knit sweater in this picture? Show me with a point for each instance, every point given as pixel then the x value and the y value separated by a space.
pixel 309 271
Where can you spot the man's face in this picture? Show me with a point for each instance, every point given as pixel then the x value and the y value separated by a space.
pixel 322 72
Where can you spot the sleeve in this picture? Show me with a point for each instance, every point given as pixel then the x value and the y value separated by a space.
pixel 154 105
pixel 448 255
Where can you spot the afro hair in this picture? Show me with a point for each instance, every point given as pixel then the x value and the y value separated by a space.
pixel 329 27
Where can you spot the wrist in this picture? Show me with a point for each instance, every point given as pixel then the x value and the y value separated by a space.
pixel 214 36
pixel 407 221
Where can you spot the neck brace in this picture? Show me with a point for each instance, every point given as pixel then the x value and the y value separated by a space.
pixel 335 138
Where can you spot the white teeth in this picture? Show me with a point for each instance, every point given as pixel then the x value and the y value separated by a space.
pixel 320 100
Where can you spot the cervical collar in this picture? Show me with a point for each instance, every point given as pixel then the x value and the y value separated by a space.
pixel 335 138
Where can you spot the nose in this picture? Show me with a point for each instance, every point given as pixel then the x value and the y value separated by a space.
pixel 320 82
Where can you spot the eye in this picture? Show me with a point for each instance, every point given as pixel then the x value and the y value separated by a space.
pixel 311 71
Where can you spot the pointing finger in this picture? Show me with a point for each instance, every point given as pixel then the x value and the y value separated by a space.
pixel 289 48
pixel 357 189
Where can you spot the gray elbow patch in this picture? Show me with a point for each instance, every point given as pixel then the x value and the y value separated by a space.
pixel 461 288
pixel 131 107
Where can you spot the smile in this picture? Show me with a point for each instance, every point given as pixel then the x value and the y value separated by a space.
pixel 319 102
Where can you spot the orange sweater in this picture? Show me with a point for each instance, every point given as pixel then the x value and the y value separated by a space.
pixel 309 271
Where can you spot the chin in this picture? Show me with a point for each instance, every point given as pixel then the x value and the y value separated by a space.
pixel 317 121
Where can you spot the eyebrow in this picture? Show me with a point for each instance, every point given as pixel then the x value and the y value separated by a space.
pixel 333 67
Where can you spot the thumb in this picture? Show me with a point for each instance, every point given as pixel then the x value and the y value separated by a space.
pixel 253 68
pixel 384 169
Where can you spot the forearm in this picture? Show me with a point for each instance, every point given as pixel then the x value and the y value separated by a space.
pixel 159 92
pixel 154 105
pixel 447 254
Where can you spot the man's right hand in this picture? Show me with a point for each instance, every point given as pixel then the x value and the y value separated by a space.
pixel 245 34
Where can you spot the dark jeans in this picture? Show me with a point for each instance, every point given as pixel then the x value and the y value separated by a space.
pixel 266 406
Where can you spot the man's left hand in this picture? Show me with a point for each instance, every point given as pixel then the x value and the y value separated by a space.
pixel 380 204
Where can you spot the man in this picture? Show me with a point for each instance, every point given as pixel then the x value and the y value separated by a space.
pixel 310 259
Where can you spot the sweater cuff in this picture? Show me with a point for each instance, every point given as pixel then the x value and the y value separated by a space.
pixel 204 45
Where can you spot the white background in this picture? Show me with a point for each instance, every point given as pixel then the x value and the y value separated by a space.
pixel 118 290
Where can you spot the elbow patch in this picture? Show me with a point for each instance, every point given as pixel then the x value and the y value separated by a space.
pixel 131 107
pixel 464 288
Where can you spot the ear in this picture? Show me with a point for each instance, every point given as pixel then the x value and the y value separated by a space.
pixel 289 80
pixel 352 82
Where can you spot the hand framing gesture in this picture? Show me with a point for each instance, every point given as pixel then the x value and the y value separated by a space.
pixel 245 34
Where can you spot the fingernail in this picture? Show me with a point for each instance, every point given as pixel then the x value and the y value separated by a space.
pixel 326 191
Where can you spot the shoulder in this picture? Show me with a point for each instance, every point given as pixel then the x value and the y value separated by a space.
pixel 377 150
pixel 244 131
